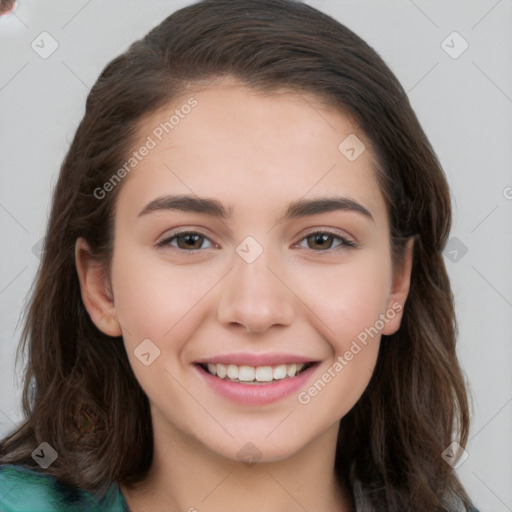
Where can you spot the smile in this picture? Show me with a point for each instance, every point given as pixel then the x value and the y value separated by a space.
pixel 255 374
pixel 261 382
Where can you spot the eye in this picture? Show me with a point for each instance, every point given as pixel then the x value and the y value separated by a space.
pixel 192 241
pixel 186 240
pixel 324 240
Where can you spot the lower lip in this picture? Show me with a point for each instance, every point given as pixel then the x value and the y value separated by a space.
pixel 256 394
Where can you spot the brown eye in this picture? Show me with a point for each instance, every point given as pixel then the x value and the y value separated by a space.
pixel 322 241
pixel 186 240
pixel 189 241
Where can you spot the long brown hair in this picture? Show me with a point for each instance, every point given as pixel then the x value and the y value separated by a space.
pixel 80 394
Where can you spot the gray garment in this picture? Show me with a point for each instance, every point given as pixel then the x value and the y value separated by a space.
pixel 453 504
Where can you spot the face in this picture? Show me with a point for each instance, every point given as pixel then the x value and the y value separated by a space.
pixel 287 292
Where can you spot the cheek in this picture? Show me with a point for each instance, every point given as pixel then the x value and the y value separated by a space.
pixel 349 308
pixel 160 302
pixel 347 298
pixel 155 299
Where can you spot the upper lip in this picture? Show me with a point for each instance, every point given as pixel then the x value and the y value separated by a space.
pixel 248 359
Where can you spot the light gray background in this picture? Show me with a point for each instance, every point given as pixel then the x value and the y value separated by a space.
pixel 464 105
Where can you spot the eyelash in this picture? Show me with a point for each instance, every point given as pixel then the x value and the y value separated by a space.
pixel 345 243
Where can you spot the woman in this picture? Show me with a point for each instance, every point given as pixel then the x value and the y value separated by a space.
pixel 242 302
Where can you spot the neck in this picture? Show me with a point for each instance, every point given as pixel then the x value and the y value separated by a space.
pixel 187 476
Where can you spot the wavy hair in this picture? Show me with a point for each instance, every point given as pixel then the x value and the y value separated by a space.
pixel 80 393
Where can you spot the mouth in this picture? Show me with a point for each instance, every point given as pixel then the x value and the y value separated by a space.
pixel 252 379
pixel 255 375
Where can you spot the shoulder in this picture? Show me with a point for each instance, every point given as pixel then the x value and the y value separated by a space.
pixel 23 489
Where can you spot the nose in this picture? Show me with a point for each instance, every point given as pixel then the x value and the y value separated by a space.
pixel 256 296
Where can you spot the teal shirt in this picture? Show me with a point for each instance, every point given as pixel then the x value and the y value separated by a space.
pixel 27 490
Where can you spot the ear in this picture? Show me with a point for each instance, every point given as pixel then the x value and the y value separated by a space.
pixel 399 291
pixel 96 290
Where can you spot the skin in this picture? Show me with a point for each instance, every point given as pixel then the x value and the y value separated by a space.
pixel 254 153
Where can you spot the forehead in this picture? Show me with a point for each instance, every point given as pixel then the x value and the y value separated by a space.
pixel 243 146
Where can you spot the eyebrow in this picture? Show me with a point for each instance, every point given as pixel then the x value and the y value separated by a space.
pixel 214 208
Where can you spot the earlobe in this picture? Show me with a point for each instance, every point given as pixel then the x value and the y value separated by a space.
pixel 399 291
pixel 95 288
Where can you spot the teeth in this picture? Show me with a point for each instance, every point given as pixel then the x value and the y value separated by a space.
pixel 246 373
pixel 255 373
pixel 280 372
pixel 233 371
pixel 264 374
pixel 221 370
pixel 290 370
